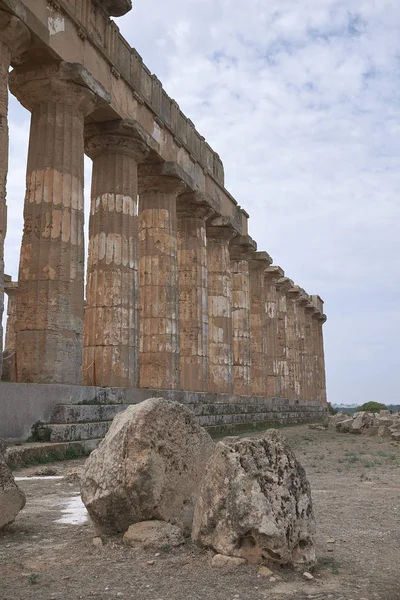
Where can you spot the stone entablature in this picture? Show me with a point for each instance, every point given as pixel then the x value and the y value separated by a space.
pixel 177 297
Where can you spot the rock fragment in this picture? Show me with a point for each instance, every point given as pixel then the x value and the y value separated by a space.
pixel 255 503
pixel 12 499
pixel 149 466
pixel 153 534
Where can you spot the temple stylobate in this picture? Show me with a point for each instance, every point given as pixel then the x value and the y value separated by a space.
pixel 178 297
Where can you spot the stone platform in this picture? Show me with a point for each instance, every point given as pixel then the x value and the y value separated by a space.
pixel 78 413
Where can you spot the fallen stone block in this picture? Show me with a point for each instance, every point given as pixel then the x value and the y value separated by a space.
pixel 344 426
pixel 396 436
pixel 12 499
pixel 153 534
pixel 149 466
pixel 255 503
pixel 384 431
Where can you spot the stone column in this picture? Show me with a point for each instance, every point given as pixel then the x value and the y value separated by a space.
pixel 14 40
pixel 258 327
pixel 51 272
pixel 310 353
pixel 302 304
pixel 282 286
pixel 319 318
pixel 220 232
pixel 241 248
pixel 272 274
pixel 293 343
pixel 158 278
pixel 111 329
pixel 193 209
pixel 10 288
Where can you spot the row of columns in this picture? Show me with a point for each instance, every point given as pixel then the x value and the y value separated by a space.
pixel 175 298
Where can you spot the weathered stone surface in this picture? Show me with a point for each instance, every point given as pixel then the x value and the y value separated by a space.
pixel 149 466
pixel 255 503
pixel 12 499
pixel 153 534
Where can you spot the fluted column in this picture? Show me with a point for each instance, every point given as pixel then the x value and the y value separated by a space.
pixel 282 286
pixel 51 272
pixel 10 288
pixel 319 318
pixel 220 232
pixel 111 329
pixel 158 279
pixel 293 343
pixel 258 328
pixel 310 390
pixel 303 301
pixel 14 40
pixel 241 249
pixel 193 210
pixel 272 274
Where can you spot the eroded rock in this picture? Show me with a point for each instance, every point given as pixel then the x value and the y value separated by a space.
pixel 149 466
pixel 12 499
pixel 255 503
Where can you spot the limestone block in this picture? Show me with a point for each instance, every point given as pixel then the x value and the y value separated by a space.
pixel 395 436
pixel 255 503
pixel 344 426
pixel 335 419
pixel 384 431
pixel 153 534
pixel 149 466
pixel 227 562
pixel 12 499
pixel 362 420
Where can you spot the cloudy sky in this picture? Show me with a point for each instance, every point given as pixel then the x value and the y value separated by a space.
pixel 302 102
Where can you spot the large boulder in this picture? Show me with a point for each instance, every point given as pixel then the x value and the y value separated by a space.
pixel 149 466
pixel 12 499
pixel 255 503
pixel 333 420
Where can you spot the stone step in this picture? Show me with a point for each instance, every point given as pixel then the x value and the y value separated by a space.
pixel 29 454
pixel 84 413
pixel 72 432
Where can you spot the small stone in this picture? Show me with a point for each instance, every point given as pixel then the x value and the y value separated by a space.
pixel 273 579
pixel 265 572
pixel 308 575
pixel 157 554
pixel 97 541
pixel 330 549
pixel 153 534
pixel 229 562
pixel 151 562
pixel 331 541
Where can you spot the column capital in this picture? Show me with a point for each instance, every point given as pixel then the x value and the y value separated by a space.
pixel 284 284
pixel 273 273
pixel 221 228
pixel 116 8
pixel 14 33
pixel 64 83
pixel 9 285
pixel 260 260
pixel 242 247
pixel 123 136
pixel 166 177
pixel 195 204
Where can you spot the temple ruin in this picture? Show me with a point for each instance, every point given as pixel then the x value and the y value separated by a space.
pixel 178 297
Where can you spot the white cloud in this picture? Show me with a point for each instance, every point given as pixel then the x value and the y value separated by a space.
pixel 301 101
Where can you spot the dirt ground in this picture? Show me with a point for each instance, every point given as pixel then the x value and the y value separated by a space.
pixel 355 484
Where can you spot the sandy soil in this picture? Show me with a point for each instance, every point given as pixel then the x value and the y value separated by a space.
pixel 356 492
